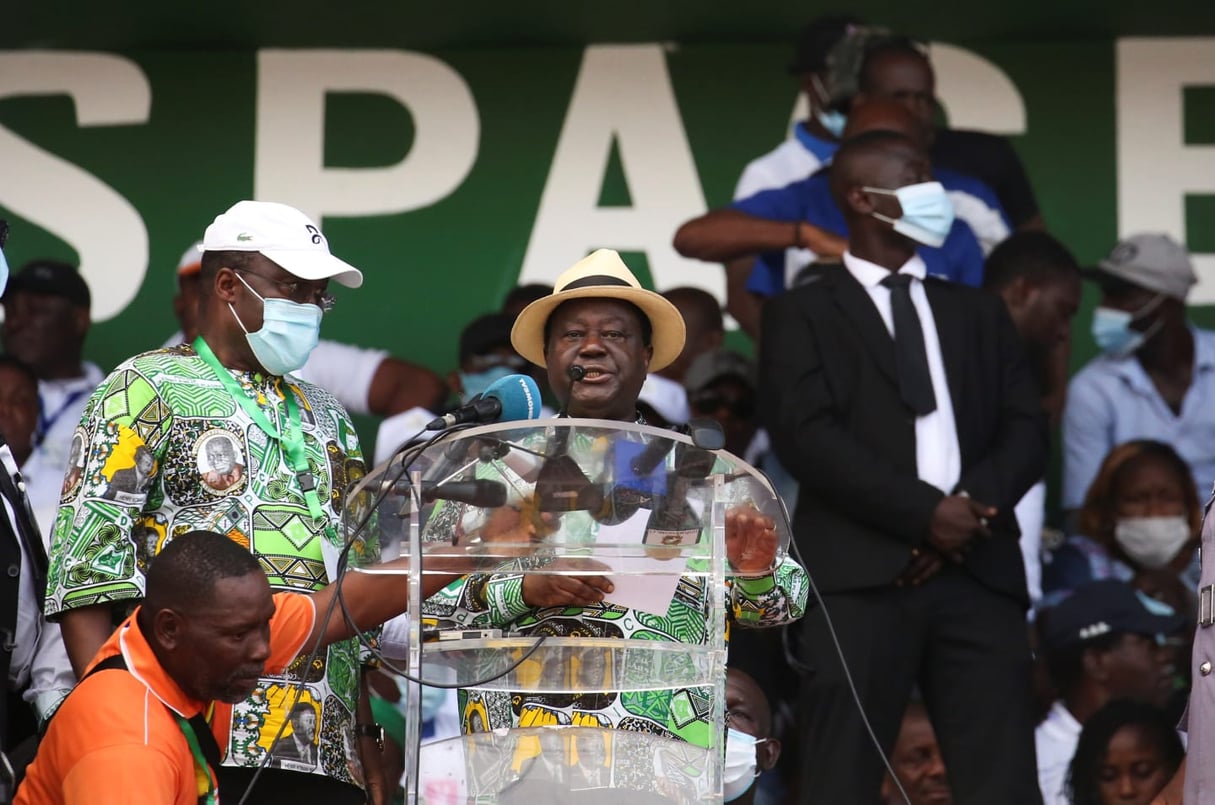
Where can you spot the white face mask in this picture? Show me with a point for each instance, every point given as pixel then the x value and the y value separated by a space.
pixel 742 764
pixel 1152 541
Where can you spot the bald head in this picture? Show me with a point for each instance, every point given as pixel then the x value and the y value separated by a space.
pixel 878 158
pixel 882 114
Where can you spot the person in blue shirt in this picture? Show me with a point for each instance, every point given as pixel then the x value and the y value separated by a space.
pixel 1155 378
pixel 959 259
pixel 802 217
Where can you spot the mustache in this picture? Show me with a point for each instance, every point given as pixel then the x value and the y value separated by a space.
pixel 247 671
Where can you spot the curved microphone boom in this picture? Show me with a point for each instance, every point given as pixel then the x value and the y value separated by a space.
pixel 482 492
pixel 510 398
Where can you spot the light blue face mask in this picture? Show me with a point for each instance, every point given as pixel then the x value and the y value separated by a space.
pixel 289 333
pixel 833 120
pixel 927 212
pixel 1113 332
pixel 432 698
pixel 474 383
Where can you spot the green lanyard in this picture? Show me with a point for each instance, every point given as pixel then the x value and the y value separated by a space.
pixel 201 761
pixel 292 441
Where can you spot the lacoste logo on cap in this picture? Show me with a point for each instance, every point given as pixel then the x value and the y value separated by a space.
pixel 244 236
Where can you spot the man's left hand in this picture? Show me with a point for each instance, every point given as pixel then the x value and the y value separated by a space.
pixel 750 540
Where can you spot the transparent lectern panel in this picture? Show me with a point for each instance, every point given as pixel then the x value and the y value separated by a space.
pixel 544 765
pixel 636 504
pixel 529 493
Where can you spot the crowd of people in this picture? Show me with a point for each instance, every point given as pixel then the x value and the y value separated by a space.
pixel 177 519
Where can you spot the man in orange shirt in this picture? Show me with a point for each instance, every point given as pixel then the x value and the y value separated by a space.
pixel 207 630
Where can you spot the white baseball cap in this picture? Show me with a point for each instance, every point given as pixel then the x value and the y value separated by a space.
pixel 282 234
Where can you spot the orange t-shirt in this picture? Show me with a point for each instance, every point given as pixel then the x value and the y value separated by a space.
pixel 114 741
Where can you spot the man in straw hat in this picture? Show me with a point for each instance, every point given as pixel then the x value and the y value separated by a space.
pixel 600 319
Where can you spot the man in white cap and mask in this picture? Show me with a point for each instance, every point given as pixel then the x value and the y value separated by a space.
pixel 265 276
pixel 366 381
pixel 1155 378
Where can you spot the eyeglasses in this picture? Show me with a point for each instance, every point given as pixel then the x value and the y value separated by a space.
pixel 298 291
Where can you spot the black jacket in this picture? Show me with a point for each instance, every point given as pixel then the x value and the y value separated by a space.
pixel 829 398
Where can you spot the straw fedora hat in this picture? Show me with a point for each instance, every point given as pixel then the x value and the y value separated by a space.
pixel 601 275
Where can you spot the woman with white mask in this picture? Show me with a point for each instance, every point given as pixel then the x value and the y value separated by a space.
pixel 1139 523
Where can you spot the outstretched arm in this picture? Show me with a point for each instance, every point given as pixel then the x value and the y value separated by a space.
pixel 372 597
pixel 722 235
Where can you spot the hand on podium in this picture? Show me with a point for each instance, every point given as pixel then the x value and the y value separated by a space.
pixel 551 589
pixel 750 540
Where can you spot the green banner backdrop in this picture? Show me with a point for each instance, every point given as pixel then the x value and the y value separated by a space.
pixel 448 175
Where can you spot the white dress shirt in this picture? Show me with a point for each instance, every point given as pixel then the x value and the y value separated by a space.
pixel 938 459
pixel 63 403
pixel 40 663
pixel 1055 742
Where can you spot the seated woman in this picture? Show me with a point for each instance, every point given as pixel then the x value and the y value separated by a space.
pixel 1140 523
pixel 1127 752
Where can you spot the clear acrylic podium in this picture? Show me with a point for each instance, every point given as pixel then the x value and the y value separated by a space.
pixel 641 505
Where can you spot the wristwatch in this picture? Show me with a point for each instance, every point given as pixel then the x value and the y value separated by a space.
pixel 371 731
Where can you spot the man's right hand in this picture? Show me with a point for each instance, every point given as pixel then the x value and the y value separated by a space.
pixel 956 521
pixel 550 589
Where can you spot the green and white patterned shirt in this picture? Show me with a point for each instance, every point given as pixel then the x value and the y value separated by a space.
pixel 163 449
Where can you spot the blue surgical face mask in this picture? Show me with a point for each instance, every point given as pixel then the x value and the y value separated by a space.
pixel 289 333
pixel 927 212
pixel 474 383
pixel 1113 332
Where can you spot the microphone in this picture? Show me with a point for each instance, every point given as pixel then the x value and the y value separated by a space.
pixel 482 492
pixel 653 455
pixel 575 373
pixel 509 398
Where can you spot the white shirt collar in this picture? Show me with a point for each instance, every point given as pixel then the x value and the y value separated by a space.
pixel 1062 718
pixel 870 274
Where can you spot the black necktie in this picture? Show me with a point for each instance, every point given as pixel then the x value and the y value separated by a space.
pixel 915 383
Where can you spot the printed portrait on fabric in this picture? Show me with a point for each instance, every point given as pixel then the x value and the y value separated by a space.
pixel 220 461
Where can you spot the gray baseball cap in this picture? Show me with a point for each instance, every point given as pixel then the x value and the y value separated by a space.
pixel 1152 261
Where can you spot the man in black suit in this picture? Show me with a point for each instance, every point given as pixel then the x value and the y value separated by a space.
pixel 905 408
